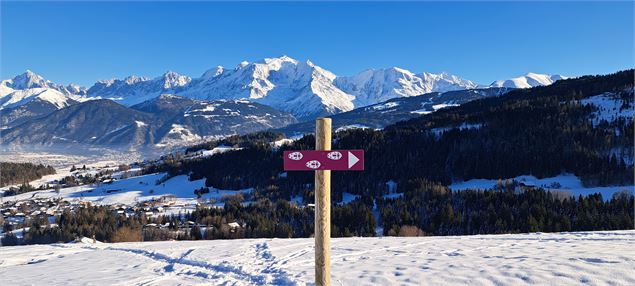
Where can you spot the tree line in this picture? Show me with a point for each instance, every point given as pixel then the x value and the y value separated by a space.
pixel 20 173
pixel 426 208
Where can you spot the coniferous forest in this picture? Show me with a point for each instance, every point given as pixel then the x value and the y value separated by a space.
pixel 18 173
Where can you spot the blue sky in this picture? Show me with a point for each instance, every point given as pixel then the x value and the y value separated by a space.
pixel 481 41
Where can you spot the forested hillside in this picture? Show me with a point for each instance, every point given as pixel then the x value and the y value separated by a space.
pixel 543 131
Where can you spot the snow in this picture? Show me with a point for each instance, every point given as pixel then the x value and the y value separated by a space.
pixel 609 108
pixel 527 81
pixel 284 141
pixel 351 126
pixel 595 258
pixel 565 182
pixel 435 107
pixel 422 111
pixel 178 134
pixel 216 150
pixel 21 97
pixel 132 190
pixel 140 123
pixel 443 105
pixel 384 106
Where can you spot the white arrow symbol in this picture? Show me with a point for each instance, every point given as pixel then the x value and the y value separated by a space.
pixel 352 160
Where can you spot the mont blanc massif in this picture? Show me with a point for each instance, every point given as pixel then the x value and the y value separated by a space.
pixel 284 94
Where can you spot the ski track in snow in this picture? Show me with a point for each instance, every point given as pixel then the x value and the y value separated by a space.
pixel 579 258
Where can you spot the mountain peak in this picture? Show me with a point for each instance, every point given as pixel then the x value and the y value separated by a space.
pixel 28 79
pixel 132 79
pixel 281 59
pixel 172 79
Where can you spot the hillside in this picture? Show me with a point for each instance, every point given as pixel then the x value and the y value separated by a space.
pixel 534 258
pixel 163 121
pixel 579 126
pixel 380 115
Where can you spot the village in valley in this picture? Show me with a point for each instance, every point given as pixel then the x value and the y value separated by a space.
pixel 158 201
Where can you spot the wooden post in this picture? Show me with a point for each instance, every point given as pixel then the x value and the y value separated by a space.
pixel 323 207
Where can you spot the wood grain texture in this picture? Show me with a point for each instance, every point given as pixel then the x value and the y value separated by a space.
pixel 323 207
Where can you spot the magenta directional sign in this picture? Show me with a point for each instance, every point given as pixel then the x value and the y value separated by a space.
pixel 311 160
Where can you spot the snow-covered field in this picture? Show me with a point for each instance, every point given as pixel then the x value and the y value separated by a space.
pixel 131 190
pixel 583 258
pixel 565 183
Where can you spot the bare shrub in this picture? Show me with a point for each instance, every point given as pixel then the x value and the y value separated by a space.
pixel 410 230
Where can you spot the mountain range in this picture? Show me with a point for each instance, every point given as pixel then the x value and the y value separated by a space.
pixel 301 88
pixel 270 93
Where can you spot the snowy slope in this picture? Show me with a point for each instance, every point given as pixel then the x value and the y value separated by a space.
pixel 52 96
pixel 581 258
pixel 374 86
pixel 610 107
pixel 527 81
pixel 567 183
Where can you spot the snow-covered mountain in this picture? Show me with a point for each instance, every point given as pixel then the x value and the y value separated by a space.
pixel 527 81
pixel 133 89
pixel 30 86
pixel 29 80
pixel 29 95
pixel 374 86
pixel 301 88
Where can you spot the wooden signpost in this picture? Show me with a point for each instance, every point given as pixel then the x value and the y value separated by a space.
pixel 322 161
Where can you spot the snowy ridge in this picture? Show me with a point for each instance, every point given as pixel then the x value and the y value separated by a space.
pixel 133 90
pixel 508 259
pixel 302 88
pixel 30 79
pixel 527 81
pixel 373 86
pixel 29 86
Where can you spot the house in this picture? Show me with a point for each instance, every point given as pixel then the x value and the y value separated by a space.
pixel 233 225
